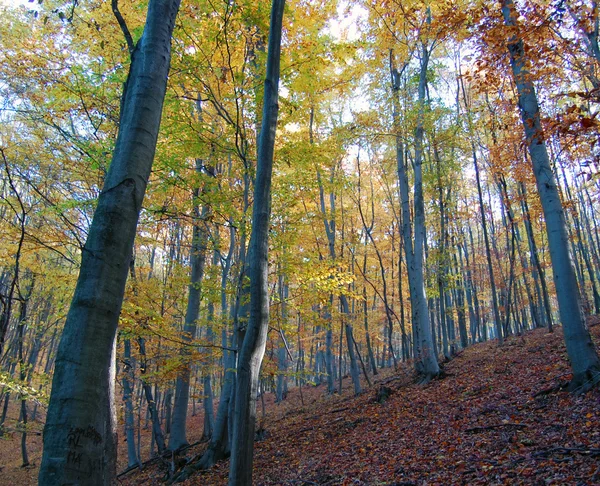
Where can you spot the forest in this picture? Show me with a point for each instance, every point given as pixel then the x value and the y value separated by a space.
pixel 207 205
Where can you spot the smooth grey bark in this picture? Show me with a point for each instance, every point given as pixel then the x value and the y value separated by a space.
pixel 218 447
pixel 448 297
pixel 329 358
pixel 405 343
pixel 253 347
pixel 132 457
pixel 208 395
pixel 442 265
pixel 282 363
pixel 414 226
pixel 178 439
pixel 580 348
pixel 167 409
pixel 354 371
pixel 80 432
pixel 280 393
pixel 207 404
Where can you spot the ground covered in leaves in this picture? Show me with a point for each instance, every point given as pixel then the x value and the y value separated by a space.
pixel 496 418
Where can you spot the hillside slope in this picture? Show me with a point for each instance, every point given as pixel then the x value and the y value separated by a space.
pixel 491 420
pixel 481 425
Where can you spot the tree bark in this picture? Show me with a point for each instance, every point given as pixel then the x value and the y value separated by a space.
pixel 580 348
pixel 253 347
pixel 80 432
pixel 424 353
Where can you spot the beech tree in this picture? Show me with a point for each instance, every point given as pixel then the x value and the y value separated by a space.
pixel 582 353
pixel 79 435
pixel 253 347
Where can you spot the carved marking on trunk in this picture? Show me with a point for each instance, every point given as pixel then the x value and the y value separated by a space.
pixel 78 460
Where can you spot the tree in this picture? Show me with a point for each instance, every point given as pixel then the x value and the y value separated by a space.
pixel 79 436
pixel 580 348
pixel 199 249
pixel 253 347
pixel 413 227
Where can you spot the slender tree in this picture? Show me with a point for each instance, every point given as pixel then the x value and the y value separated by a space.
pixel 253 347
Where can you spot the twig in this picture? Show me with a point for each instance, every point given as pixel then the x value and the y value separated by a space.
pixel 339 410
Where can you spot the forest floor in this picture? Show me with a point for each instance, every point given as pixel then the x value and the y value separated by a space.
pixel 492 420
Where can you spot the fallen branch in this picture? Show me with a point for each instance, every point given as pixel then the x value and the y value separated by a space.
pixel 164 455
pixel 339 410
pixel 552 389
pixel 568 450
pixel 496 426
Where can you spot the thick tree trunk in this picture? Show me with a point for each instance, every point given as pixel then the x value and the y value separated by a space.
pixel 253 347
pixel 80 432
pixel 580 348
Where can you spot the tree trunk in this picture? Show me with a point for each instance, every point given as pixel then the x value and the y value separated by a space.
pixel 178 438
pixel 253 347
pixel 580 348
pixel 151 400
pixel 132 457
pixel 425 361
pixel 80 432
